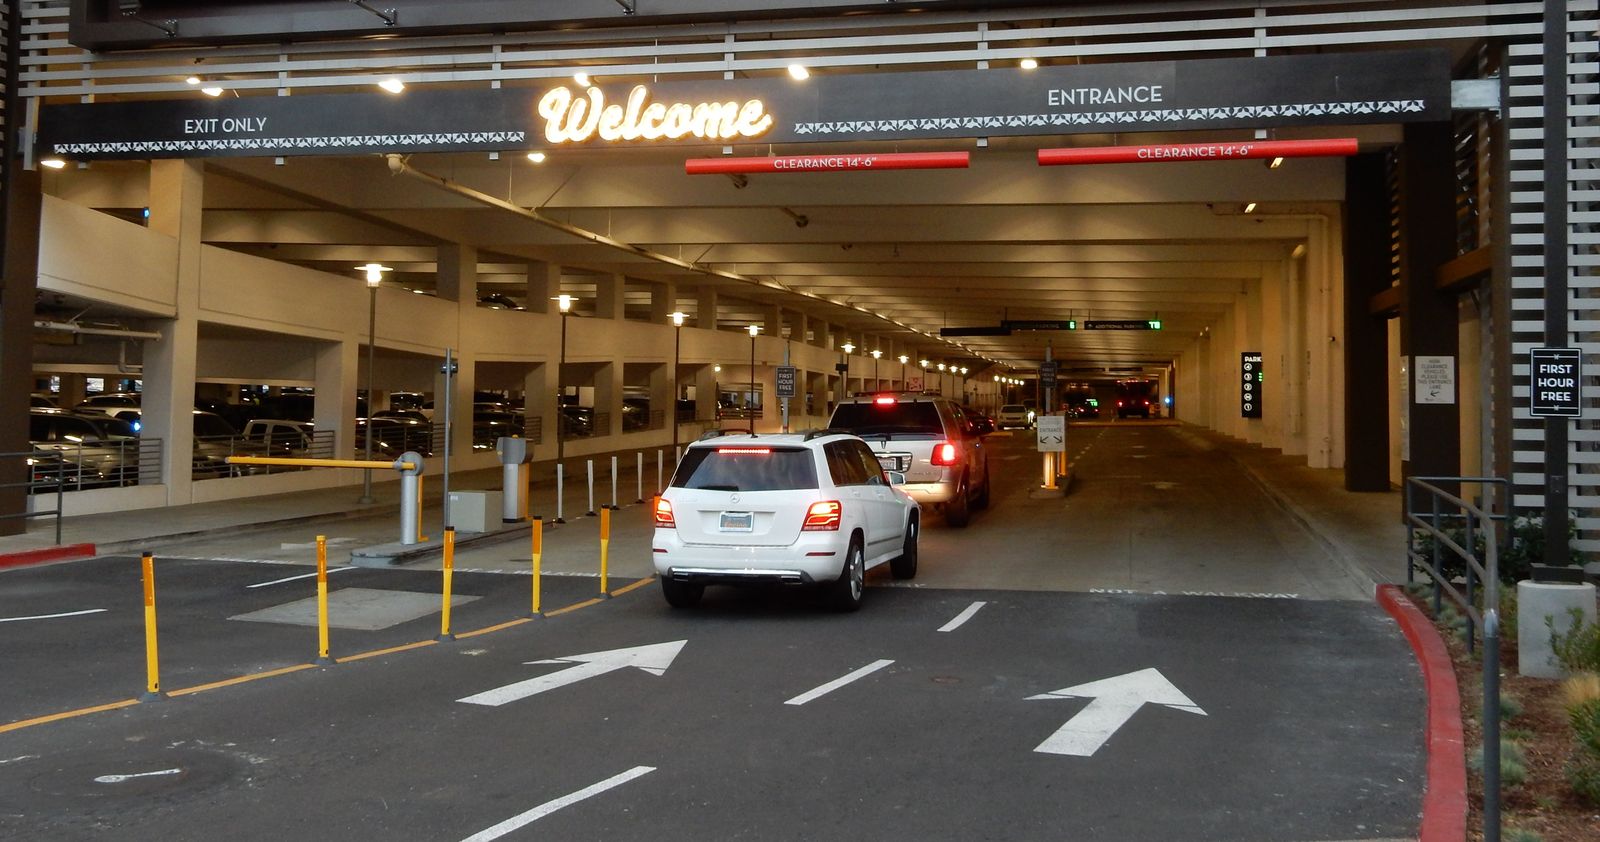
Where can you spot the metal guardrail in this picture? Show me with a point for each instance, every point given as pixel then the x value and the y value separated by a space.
pixel 40 471
pixel 1448 523
pixel 211 453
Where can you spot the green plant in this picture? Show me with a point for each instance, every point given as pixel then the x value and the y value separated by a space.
pixel 1510 707
pixel 1526 547
pixel 1582 693
pixel 1577 649
pixel 1513 763
pixel 1518 834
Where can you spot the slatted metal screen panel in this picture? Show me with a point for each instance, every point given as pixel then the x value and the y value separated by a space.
pixel 1528 218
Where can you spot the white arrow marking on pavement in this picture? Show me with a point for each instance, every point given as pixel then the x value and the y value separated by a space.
pixel 117 779
pixel 545 809
pixel 1116 700
pixel 654 659
pixel 52 616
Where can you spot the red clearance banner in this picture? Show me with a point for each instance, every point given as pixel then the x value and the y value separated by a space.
pixel 841 162
pixel 1232 151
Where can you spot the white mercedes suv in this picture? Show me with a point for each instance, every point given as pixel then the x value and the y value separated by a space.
pixel 794 509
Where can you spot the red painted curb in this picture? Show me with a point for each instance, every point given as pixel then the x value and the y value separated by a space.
pixel 45 554
pixel 1444 802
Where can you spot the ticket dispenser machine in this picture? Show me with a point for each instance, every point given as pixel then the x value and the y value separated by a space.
pixel 513 453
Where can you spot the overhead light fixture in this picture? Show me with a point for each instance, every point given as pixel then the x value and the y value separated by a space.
pixel 393 86
pixel 193 80
pixel 374 273
pixel 211 90
pixel 1250 208
pixel 53 163
pixel 1029 64
pixel 581 78
pixel 536 157
pixel 1275 163
pixel 1299 251
pixel 798 72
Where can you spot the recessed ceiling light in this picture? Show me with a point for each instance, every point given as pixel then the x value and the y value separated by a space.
pixel 581 78
pixel 193 80
pixel 799 72
pixel 212 90
pixel 1275 163
pixel 536 157
pixel 1250 208
pixel 53 163
pixel 1028 63
pixel 393 86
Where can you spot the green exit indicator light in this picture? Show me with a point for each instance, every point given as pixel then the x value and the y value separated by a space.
pixel 1155 324
pixel 1072 324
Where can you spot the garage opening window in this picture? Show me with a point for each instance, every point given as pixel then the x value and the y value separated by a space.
pixel 746 469
pixel 899 418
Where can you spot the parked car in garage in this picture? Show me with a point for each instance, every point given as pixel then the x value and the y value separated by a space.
pixel 1014 416
pixel 792 509
pixel 93 456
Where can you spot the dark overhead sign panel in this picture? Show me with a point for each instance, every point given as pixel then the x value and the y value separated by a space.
pixel 979 330
pixel 1272 91
pixel 1122 324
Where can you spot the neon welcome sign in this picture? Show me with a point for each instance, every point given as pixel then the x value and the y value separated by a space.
pixel 575 119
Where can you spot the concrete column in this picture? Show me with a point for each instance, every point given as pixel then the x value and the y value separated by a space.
pixel 608 298
pixel 1274 354
pixel 544 283
pixel 457 273
pixel 608 383
pixel 1428 317
pixel 1324 316
pixel 663 300
pixel 705 393
pixel 706 310
pixel 18 287
pixel 772 325
pixel 1366 254
pixel 74 388
pixel 539 407
pixel 1294 369
pixel 771 418
pixel 334 403
pixel 177 190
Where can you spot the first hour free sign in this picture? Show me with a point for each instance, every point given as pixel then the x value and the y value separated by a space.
pixel 1557 386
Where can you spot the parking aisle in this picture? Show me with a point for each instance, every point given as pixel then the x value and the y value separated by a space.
pixel 759 716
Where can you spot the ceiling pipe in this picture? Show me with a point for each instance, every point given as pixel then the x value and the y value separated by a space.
pixel 71 327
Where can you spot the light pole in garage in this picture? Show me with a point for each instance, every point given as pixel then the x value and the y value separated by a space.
pixel 877 384
pixel 564 303
pixel 677 343
pixel 903 360
pixel 846 350
pixel 750 402
pixel 374 278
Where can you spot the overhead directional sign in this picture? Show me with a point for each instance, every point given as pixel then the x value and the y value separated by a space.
pixel 1116 700
pixel 653 659
pixel 1122 324
pixel 978 330
pixel 1157 153
pixel 1040 324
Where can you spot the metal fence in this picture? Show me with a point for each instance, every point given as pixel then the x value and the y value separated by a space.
pixel 1458 543
pixel 211 452
pixel 108 463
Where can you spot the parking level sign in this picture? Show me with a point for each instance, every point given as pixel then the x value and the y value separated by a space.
pixel 1250 384
pixel 786 381
pixel 1556 388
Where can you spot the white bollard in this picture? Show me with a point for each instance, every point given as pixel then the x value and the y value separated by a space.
pixel 613 483
pixel 590 512
pixel 561 487
pixel 638 474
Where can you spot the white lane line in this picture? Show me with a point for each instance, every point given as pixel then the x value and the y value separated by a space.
pixel 962 617
pixel 331 571
pixel 835 684
pixel 117 779
pixel 51 616
pixel 549 807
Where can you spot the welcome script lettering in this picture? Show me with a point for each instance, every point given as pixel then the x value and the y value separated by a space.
pixel 574 119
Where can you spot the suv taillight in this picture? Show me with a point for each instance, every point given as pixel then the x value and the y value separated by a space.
pixel 946 454
pixel 822 517
pixel 664 519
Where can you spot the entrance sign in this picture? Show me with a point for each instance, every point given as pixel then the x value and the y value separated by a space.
pixel 1331 89
pixel 1158 153
pixel 1250 386
pixel 1051 432
pixel 786 381
pixel 1556 390
pixel 1436 380
pixel 829 163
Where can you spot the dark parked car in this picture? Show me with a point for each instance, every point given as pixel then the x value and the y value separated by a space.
pixel 95 454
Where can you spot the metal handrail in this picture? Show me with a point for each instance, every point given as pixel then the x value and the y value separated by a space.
pixel 1474 520
pixel 31 460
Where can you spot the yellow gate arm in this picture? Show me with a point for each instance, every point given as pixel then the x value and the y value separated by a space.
pixel 319 463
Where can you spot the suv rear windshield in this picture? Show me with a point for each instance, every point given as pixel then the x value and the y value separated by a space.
pixel 754 468
pixel 865 419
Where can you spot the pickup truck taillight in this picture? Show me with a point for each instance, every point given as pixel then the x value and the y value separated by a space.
pixel 946 454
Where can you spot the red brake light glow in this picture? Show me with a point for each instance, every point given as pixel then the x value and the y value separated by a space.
pixel 822 517
pixel 746 451
pixel 944 454
pixel 664 519
pixel 884 401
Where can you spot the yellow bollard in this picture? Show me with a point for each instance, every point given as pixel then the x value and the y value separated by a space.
pixel 538 558
pixel 449 572
pixel 605 547
pixel 322 601
pixel 152 660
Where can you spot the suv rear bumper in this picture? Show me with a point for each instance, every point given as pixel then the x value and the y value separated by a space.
pixel 816 557
pixel 929 493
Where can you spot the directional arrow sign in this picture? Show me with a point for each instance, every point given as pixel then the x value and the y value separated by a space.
pixel 653 659
pixel 1116 700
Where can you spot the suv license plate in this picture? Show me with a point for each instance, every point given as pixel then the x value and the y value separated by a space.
pixel 737 521
pixel 893 463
